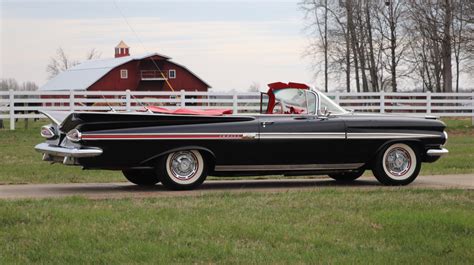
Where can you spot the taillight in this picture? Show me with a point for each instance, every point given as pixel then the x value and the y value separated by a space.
pixel 48 132
pixel 445 137
pixel 74 135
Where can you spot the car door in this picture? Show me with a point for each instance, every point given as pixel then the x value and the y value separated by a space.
pixel 301 140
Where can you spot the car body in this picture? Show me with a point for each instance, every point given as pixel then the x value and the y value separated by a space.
pixel 299 132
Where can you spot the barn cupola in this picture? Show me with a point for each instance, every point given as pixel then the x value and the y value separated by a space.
pixel 122 50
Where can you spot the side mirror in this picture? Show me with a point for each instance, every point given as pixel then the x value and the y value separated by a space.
pixel 350 110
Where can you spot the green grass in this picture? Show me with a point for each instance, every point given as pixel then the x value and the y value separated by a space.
pixel 321 226
pixel 19 163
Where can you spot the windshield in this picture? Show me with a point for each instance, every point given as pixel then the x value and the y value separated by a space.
pixel 294 101
pixel 329 105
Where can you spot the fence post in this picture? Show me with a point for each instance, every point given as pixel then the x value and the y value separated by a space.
pixel 382 102
pixel 428 102
pixel 183 98
pixel 127 100
pixel 12 109
pixel 234 103
pixel 337 97
pixel 71 100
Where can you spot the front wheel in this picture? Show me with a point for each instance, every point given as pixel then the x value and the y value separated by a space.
pixel 347 176
pixel 397 165
pixel 141 177
pixel 183 170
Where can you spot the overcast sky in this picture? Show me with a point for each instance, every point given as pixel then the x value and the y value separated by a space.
pixel 229 44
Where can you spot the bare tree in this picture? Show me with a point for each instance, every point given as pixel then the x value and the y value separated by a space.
pixel 8 84
pixel 61 61
pixel 93 54
pixel 463 36
pixel 254 87
pixel 29 86
pixel 377 44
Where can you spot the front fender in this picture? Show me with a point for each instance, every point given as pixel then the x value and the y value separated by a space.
pixel 416 143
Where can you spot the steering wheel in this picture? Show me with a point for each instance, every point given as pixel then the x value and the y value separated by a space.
pixel 278 105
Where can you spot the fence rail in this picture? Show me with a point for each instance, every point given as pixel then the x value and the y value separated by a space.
pixel 26 104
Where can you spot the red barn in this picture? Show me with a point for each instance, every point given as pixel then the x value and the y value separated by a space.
pixel 146 72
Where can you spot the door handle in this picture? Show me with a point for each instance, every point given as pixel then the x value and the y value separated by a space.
pixel 265 123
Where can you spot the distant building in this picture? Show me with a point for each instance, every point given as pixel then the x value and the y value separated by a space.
pixel 147 72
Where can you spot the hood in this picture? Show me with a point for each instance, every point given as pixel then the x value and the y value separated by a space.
pixel 394 121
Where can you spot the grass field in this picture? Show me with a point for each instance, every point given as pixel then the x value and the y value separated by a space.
pixel 19 162
pixel 322 226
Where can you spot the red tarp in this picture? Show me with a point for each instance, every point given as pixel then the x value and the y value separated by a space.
pixel 183 111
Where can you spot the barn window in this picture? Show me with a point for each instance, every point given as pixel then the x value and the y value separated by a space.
pixel 124 73
pixel 172 74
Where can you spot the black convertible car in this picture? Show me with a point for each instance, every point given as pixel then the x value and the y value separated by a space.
pixel 299 131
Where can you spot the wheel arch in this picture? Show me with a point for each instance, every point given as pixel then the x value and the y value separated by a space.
pixel 416 144
pixel 208 155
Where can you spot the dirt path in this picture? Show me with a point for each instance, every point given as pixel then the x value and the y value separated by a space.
pixel 119 190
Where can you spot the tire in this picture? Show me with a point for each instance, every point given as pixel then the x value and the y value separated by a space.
pixel 396 165
pixel 347 176
pixel 183 170
pixel 141 177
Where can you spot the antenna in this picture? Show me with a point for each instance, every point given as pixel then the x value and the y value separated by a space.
pixel 141 103
pixel 108 105
pixel 141 43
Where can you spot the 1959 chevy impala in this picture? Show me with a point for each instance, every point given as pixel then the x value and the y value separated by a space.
pixel 299 131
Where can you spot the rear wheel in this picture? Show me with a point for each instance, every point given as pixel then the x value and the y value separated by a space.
pixel 347 176
pixel 183 170
pixel 398 164
pixel 141 177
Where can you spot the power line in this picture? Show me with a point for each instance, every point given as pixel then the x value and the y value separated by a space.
pixel 141 43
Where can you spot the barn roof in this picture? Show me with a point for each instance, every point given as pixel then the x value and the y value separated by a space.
pixel 122 45
pixel 82 76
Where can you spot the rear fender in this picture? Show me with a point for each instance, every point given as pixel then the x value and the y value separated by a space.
pixel 206 152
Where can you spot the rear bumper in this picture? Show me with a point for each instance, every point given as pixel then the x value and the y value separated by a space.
pixel 436 152
pixel 65 155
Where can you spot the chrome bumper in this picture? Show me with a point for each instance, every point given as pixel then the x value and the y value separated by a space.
pixel 437 152
pixel 65 155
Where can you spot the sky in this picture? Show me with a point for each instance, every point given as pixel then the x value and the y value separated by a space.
pixel 229 44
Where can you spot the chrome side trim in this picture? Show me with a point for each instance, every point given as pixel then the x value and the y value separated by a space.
pixel 213 136
pixel 67 152
pixel 170 136
pixel 437 152
pixel 287 167
pixel 389 135
pixel 254 135
pixel 318 135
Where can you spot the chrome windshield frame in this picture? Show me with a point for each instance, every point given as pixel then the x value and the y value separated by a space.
pixel 318 105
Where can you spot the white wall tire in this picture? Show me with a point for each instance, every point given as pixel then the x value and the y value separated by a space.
pixel 397 164
pixel 183 170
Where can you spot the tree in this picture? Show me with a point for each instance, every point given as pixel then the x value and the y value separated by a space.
pixel 8 84
pixel 380 44
pixel 61 61
pixel 327 28
pixel 254 87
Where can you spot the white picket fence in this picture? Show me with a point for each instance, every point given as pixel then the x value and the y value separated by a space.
pixel 26 104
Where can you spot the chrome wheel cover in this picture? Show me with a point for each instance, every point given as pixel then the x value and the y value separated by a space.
pixel 183 165
pixel 398 161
